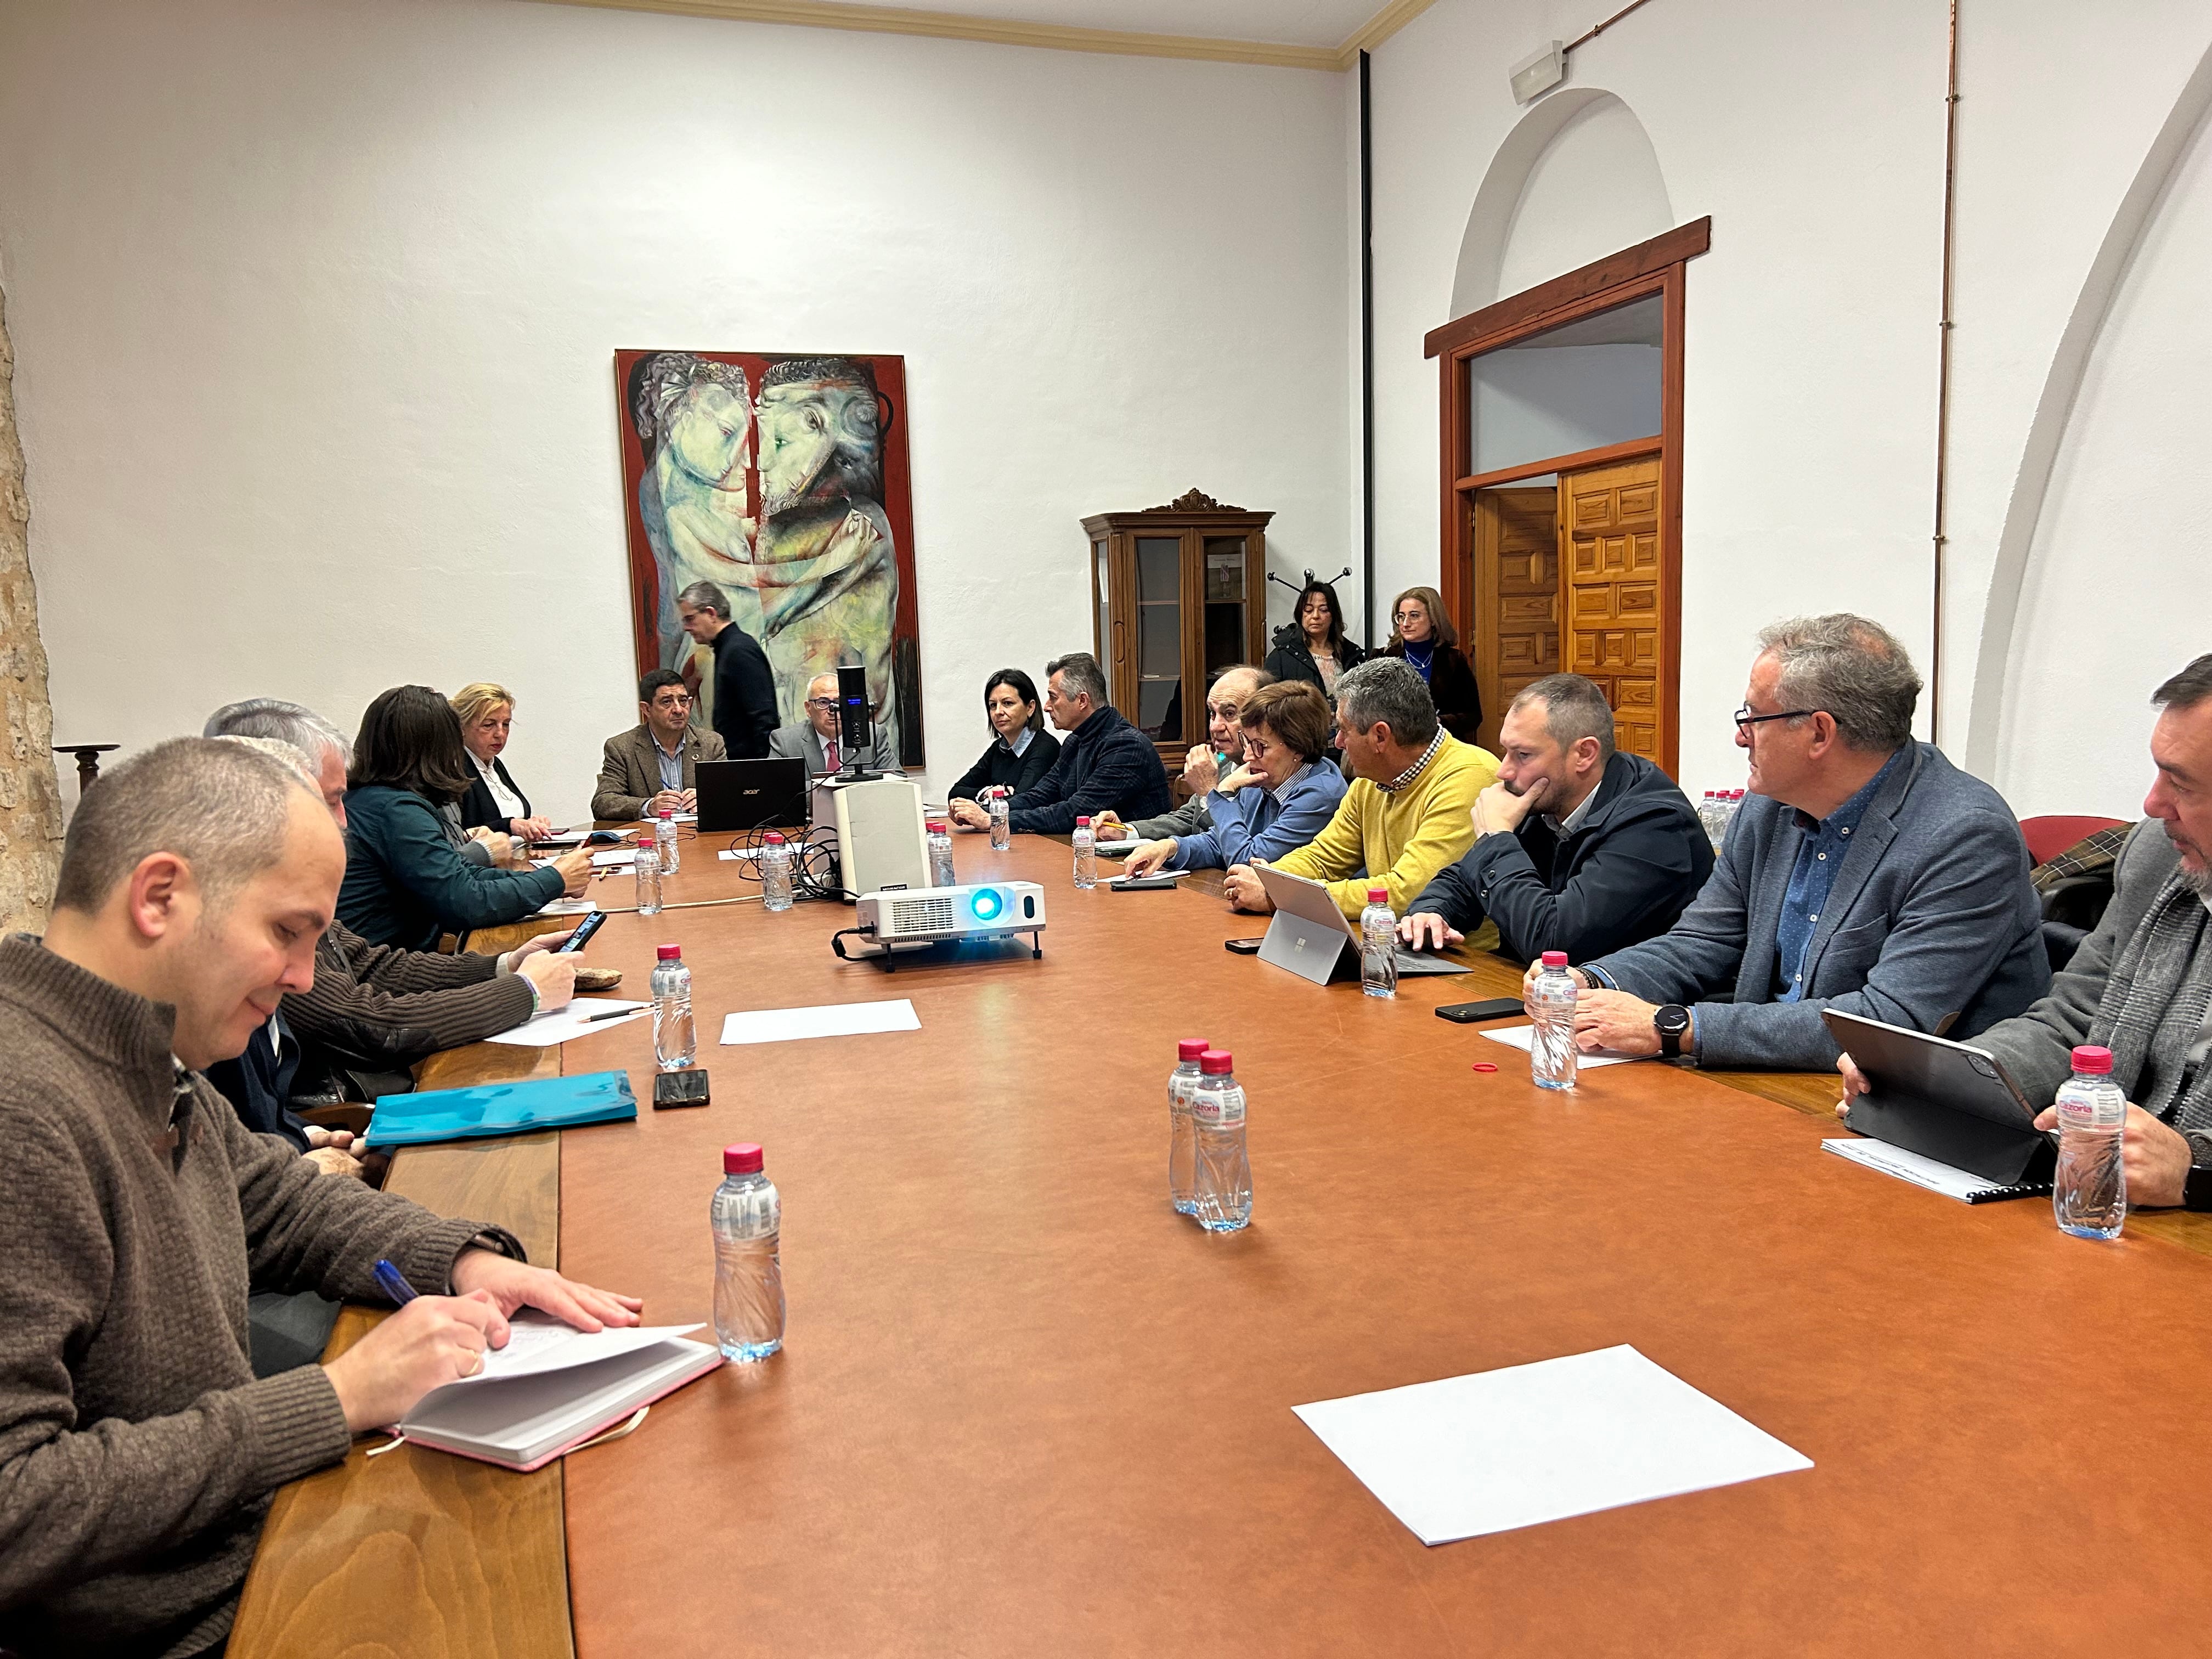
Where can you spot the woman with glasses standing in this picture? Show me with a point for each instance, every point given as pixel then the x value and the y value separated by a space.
pixel 1422 635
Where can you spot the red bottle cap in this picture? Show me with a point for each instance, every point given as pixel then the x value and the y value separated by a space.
pixel 936 828
pixel 771 839
pixel 2097 1062
pixel 1190 1049
pixel 671 953
pixel 1216 1062
pixel 1083 824
pixel 743 1158
pixel 1378 896
pixel 1555 958
pixel 645 838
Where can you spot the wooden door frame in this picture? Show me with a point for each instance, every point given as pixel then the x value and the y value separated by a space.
pixel 1658 266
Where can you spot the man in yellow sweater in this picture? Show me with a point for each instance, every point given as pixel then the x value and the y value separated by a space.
pixel 1409 812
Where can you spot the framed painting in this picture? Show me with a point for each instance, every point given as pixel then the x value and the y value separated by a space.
pixel 782 478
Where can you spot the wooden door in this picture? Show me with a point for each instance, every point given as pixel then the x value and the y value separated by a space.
pixel 1615 628
pixel 1516 589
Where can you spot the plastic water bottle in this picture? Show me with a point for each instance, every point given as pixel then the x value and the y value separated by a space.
pixel 1711 816
pixel 774 862
pixel 1221 1190
pixel 1182 1143
pixel 1002 828
pixel 1730 807
pixel 2089 1191
pixel 940 856
pixel 675 1037
pixel 671 857
pixel 648 875
pixel 748 1214
pixel 1551 1004
pixel 1086 855
pixel 1378 945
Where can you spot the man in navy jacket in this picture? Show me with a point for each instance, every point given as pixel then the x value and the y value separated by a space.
pixel 1104 762
pixel 1578 848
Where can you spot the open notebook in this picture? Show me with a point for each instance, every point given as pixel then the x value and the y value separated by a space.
pixel 528 1413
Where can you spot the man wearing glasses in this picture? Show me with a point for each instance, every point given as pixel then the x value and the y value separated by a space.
pixel 1865 872
pixel 817 740
pixel 655 764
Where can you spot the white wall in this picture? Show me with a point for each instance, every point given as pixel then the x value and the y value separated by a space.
pixel 315 307
pixel 1596 188
pixel 1532 403
pixel 1814 137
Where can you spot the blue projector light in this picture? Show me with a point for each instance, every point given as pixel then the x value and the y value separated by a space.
pixel 985 905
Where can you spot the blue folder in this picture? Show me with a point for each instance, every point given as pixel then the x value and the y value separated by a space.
pixel 502 1108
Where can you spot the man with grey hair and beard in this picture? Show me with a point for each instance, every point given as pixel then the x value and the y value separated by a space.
pixel 2140 985
pixel 1867 874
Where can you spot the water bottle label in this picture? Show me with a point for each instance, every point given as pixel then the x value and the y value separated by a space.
pixel 1213 1111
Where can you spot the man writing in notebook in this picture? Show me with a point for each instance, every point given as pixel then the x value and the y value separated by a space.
pixel 137 1451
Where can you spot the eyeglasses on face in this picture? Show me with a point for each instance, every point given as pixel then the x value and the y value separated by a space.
pixel 822 703
pixel 1744 718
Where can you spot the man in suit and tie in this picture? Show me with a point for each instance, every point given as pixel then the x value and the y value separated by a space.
pixel 655 765
pixel 1865 872
pixel 815 739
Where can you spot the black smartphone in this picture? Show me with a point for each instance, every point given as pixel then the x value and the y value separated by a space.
pixel 1141 885
pixel 1243 947
pixel 680 1089
pixel 1466 1013
pixel 589 925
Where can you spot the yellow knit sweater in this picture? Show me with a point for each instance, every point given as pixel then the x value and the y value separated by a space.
pixel 1403 839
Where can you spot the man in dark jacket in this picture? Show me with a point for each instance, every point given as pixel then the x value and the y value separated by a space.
pixel 1578 848
pixel 745 686
pixel 1104 762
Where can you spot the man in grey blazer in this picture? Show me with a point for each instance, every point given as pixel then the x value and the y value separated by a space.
pixel 1865 872
pixel 1203 766
pixel 814 739
pixel 2140 984
pixel 656 762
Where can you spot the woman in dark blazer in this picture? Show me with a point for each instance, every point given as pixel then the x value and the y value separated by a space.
pixel 1313 647
pixel 495 801
pixel 1022 751
pixel 1421 635
pixel 406 881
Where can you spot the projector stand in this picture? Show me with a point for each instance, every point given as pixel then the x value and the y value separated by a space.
pixel 936 950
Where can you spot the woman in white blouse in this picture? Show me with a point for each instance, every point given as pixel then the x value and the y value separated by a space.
pixel 494 802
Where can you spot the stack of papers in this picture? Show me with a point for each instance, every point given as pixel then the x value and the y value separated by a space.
pixel 1530 1444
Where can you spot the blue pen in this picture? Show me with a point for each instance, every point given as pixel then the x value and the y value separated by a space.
pixel 393 1284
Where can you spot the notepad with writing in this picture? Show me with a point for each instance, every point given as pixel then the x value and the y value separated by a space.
pixel 528 1418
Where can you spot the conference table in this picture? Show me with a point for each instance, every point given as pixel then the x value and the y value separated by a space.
pixel 1024 1407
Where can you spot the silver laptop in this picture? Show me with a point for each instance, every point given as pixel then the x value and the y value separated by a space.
pixel 1309 936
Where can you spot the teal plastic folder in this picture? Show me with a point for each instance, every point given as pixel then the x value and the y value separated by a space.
pixel 502 1108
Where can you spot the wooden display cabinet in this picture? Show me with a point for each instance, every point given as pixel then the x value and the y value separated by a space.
pixel 1178 593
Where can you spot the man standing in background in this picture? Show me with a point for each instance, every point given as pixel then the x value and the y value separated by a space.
pixel 745 707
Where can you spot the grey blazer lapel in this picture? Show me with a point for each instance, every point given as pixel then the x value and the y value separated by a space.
pixel 1754 976
pixel 1868 843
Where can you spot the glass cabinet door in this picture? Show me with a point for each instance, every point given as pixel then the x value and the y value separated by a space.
pixel 1101 610
pixel 1159 637
pixel 1225 599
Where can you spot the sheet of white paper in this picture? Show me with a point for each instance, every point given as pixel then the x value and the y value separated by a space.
pixel 538 1342
pixel 1157 875
pixel 831 1019
pixel 738 855
pixel 543 1031
pixel 1943 1178
pixel 1528 1444
pixel 614 858
pixel 1521 1036
pixel 569 907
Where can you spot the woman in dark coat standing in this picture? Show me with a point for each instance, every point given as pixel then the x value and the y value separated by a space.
pixel 1312 647
pixel 1022 751
pixel 1423 636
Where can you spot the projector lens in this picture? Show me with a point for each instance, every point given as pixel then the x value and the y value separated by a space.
pixel 985 905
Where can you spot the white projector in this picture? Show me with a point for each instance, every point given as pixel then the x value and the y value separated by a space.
pixel 931 915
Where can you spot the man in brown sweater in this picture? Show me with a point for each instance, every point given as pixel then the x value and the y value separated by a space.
pixel 137 1452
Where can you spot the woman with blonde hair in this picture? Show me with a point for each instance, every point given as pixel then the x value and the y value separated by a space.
pixel 1423 635
pixel 495 801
